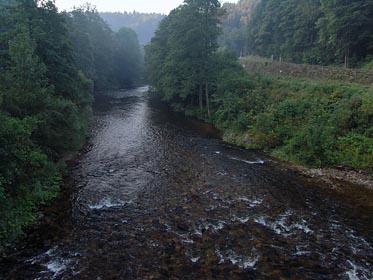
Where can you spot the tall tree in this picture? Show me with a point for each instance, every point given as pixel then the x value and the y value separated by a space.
pixel 26 82
pixel 110 59
pixel 185 41
pixel 284 29
pixel 205 14
pixel 43 105
pixel 128 58
pixel 46 97
pixel 346 30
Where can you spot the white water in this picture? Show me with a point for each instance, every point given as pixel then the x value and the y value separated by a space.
pixel 259 161
pixel 106 203
pixel 284 225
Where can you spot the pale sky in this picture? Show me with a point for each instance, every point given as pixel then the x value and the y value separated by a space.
pixel 146 6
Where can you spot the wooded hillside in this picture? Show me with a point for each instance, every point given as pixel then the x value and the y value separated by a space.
pixel 320 32
pixel 143 24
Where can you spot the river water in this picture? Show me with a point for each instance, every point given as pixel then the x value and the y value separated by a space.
pixel 158 196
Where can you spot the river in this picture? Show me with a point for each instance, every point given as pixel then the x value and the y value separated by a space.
pixel 158 196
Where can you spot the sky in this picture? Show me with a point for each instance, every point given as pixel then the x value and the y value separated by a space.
pixel 146 6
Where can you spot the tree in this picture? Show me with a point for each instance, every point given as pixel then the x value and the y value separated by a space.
pixel 205 14
pixel 44 109
pixel 284 29
pixel 128 58
pixel 345 30
pixel 185 42
pixel 234 25
pixel 26 81
pixel 110 59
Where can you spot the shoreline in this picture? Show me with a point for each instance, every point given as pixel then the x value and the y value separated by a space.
pixel 355 185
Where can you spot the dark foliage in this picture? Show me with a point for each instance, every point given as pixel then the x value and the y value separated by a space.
pixel 143 24
pixel 49 64
pixel 303 31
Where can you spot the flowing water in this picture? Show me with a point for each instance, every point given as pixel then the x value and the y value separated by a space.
pixel 158 196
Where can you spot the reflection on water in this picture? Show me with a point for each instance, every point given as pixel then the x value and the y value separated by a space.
pixel 158 197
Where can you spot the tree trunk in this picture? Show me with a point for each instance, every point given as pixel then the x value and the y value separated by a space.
pixel 207 99
pixel 346 59
pixel 200 96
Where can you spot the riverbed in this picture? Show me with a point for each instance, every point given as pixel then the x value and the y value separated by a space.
pixel 158 196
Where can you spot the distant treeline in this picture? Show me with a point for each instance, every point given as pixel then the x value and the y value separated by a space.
pixel 50 63
pixel 143 24
pixel 303 31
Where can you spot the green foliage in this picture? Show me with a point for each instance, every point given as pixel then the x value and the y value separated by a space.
pixel 26 83
pixel 311 144
pixel 143 24
pixel 307 122
pixel 312 123
pixel 369 65
pixel 180 57
pixel 27 178
pixel 355 150
pixel 111 60
pixel 285 30
pixel 345 33
pixel 49 64
pixel 61 128
pixel 301 31
pixel 36 73
pixel 229 101
pixel 97 60
pixel 128 58
pixel 235 24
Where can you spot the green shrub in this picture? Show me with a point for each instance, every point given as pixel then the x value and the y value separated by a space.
pixel 355 150
pixel 27 178
pixel 61 128
pixel 309 122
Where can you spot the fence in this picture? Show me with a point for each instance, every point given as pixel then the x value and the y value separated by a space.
pixel 284 69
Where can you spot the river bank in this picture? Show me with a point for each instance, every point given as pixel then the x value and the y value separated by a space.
pixel 354 183
pixel 357 185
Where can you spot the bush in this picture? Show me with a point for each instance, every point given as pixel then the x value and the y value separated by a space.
pixel 61 128
pixel 355 150
pixel 27 178
pixel 309 122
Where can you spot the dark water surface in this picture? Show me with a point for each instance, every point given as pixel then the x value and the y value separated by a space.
pixel 158 197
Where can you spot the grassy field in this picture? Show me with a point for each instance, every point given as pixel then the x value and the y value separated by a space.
pixel 264 66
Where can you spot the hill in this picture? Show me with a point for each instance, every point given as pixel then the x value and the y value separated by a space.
pixel 142 23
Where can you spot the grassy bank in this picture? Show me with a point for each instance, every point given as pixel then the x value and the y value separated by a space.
pixel 267 67
pixel 303 121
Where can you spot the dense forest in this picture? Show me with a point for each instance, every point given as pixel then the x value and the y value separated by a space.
pixel 143 24
pixel 50 63
pixel 235 25
pixel 308 122
pixel 305 31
